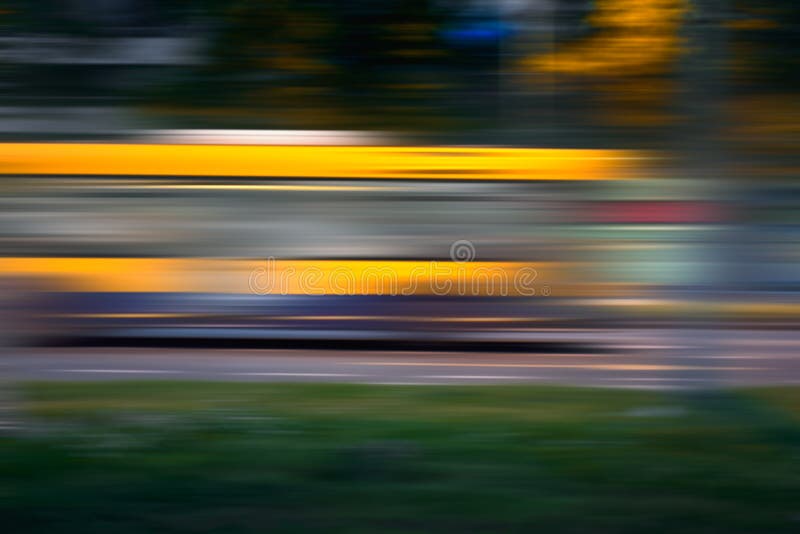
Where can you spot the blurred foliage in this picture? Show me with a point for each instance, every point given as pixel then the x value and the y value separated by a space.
pixel 633 37
pixel 765 44
pixel 317 63
pixel 425 63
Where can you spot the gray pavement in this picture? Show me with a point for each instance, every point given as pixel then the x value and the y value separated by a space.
pixel 736 359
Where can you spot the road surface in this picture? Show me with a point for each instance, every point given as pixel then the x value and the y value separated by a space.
pixel 667 360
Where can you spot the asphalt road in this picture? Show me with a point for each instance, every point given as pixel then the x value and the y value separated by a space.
pixel 666 359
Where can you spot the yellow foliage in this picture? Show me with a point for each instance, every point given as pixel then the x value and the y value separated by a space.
pixel 635 37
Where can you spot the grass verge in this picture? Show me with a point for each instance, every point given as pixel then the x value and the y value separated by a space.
pixel 129 457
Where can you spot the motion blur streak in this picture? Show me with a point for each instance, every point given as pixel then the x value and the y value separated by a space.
pixel 310 277
pixel 317 162
pixel 394 266
pixel 252 187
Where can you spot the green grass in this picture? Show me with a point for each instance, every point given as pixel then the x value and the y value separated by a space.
pixel 127 457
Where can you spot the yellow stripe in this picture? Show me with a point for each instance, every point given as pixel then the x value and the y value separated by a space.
pixel 359 277
pixel 290 277
pixel 318 161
